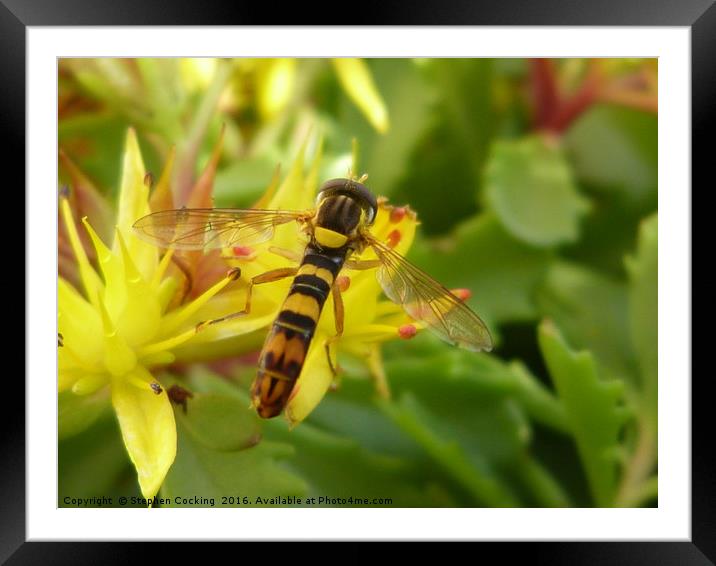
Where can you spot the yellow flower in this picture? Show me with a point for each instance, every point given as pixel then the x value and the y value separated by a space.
pixel 117 329
pixel 356 79
pixel 270 85
pixel 122 324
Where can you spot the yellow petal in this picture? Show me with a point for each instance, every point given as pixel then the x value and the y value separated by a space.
pixel 80 326
pixel 89 277
pixel 133 204
pixel 162 198
pixel 165 292
pixel 89 384
pixel 385 224
pixel 275 86
pixel 357 82
pixel 119 358
pixel 290 194
pixel 140 318
pixel 115 295
pixel 313 178
pixel 196 72
pixel 296 192
pixel 266 198
pixel 312 384
pixel 146 420
pixel 369 333
pixel 66 378
pixel 359 301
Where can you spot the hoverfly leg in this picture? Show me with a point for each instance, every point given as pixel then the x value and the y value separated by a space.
pixel 335 370
pixel 377 371
pixel 337 309
pixel 287 254
pixel 359 265
pixel 268 277
pixel 338 314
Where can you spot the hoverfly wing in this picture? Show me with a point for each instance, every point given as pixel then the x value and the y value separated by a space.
pixel 207 228
pixel 426 300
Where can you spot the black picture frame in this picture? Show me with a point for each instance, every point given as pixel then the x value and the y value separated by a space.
pixel 17 15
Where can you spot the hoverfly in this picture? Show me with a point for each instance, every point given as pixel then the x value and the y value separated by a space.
pixel 338 229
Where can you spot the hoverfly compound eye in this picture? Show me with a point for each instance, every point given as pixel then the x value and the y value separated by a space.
pixel 354 189
pixel 370 215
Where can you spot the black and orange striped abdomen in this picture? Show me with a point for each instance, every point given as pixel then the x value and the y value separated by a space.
pixel 287 343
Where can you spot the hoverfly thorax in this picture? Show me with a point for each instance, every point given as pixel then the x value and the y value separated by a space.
pixel 344 206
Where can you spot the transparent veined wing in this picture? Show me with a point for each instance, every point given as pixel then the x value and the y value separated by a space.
pixel 426 300
pixel 207 228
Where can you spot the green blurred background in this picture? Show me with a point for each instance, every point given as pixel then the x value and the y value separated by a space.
pixel 535 182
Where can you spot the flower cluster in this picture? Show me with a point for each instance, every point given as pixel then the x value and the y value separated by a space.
pixel 132 314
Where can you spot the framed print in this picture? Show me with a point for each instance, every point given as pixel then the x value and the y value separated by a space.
pixel 398 282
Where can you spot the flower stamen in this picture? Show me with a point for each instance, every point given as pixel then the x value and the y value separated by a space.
pixel 462 294
pixel 397 214
pixel 343 282
pixel 151 350
pixel 162 267
pixel 407 331
pixel 244 252
pixel 394 238
pixel 191 308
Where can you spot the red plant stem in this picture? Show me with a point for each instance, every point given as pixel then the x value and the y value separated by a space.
pixel 545 91
pixel 571 108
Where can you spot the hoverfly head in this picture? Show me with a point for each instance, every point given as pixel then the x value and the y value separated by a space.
pixel 344 205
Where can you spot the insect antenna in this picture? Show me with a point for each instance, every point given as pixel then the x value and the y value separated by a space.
pixel 355 178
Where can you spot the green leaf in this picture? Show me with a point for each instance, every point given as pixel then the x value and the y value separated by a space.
pixel 474 404
pixel 219 422
pixel 211 476
pixel 643 303
pixel 608 234
pixel 529 185
pixel 163 94
pixel 592 311
pixel 470 471
pixel 638 482
pixel 593 408
pixel 208 474
pixel 94 142
pixel 76 413
pixel 414 365
pixel 94 463
pixel 243 182
pixel 464 92
pixel 449 159
pixel 440 163
pixel 547 491
pixel 338 465
pixel 502 272
pixel 614 149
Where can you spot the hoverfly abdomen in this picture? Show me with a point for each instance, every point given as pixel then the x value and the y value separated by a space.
pixel 279 367
pixel 284 351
